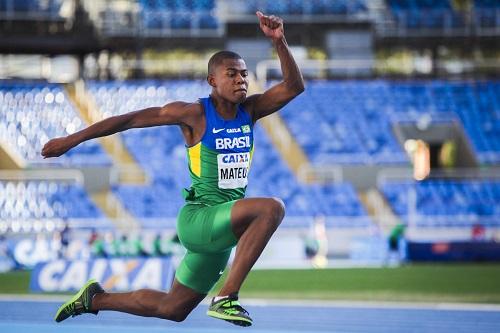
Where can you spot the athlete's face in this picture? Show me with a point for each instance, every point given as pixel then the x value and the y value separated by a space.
pixel 230 80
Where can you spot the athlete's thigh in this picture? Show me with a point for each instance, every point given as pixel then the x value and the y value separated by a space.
pixel 206 229
pixel 201 271
pixel 245 211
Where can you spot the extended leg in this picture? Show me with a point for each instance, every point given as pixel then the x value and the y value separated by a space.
pixel 174 305
pixel 253 221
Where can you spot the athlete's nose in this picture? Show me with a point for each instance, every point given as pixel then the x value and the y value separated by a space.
pixel 240 79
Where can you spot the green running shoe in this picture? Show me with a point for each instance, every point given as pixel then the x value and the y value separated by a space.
pixel 229 309
pixel 80 303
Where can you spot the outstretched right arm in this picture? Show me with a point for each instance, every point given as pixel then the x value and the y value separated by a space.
pixel 176 113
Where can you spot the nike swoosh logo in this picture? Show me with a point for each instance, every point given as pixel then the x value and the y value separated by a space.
pixel 215 131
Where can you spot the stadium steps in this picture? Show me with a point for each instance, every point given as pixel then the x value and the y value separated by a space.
pixel 113 208
pixel 129 172
pixel 281 137
pixel 379 209
pixel 10 159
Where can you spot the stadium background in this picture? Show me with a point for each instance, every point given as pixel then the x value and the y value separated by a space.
pixel 389 159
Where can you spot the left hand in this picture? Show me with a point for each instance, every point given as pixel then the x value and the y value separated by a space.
pixel 56 147
pixel 272 26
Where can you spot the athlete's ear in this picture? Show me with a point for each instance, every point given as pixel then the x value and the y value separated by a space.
pixel 211 80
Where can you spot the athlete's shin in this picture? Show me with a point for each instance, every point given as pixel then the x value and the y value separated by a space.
pixel 251 244
pixel 144 302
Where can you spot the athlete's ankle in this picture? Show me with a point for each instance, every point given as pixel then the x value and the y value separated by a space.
pixel 233 295
pixel 96 301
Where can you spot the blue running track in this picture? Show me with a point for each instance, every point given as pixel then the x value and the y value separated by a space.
pixel 21 316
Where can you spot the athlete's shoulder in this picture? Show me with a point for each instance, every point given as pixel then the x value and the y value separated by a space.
pixel 249 105
pixel 250 101
pixel 188 108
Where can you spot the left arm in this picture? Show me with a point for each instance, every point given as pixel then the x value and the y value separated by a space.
pixel 276 97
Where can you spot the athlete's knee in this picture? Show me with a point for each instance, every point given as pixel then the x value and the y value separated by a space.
pixel 176 315
pixel 275 210
pixel 173 313
pixel 180 316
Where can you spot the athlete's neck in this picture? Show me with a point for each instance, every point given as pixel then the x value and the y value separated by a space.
pixel 226 109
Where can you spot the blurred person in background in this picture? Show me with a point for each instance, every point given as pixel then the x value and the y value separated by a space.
pixel 110 245
pixel 65 238
pixel 218 131
pixel 96 243
pixel 396 237
pixel 478 233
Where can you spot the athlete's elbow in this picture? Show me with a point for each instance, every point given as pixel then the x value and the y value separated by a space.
pixel 294 89
pixel 298 90
pixel 301 88
pixel 298 87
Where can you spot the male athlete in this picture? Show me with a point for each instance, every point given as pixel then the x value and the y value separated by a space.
pixel 218 131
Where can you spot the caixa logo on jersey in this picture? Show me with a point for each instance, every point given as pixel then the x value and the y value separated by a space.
pixel 113 274
pixel 236 158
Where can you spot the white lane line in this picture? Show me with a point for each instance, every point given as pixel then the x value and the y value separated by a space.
pixel 300 303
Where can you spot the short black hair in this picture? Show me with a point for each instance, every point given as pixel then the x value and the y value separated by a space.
pixel 219 57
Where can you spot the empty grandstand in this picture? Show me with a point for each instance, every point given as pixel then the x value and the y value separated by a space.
pixel 367 137
pixel 32 113
pixel 410 86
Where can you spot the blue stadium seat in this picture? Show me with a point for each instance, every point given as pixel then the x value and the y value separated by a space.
pixel 208 21
pixel 489 4
pixel 335 200
pixel 429 14
pixel 358 117
pixel 50 8
pixel 312 7
pixel 447 203
pixel 31 114
pixel 161 152
pixel 163 15
pixel 45 200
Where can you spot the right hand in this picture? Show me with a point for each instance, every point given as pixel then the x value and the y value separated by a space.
pixel 272 26
pixel 56 147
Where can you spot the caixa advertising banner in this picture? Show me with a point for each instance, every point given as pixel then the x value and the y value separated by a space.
pixel 113 274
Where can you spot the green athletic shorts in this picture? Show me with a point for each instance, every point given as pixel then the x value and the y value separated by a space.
pixel 206 233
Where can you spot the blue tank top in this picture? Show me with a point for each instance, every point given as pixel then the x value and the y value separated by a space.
pixel 219 163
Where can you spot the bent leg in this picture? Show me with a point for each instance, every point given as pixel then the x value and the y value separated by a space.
pixel 253 222
pixel 174 305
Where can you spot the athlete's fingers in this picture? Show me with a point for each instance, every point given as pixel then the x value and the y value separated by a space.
pixel 275 23
pixel 262 17
pixel 271 21
pixel 266 21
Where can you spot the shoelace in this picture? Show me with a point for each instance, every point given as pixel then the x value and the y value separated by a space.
pixel 77 308
pixel 70 309
pixel 236 306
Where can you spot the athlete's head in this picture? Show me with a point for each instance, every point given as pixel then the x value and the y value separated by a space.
pixel 228 76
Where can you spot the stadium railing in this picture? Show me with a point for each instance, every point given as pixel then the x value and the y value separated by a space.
pixel 72 175
pixel 359 68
